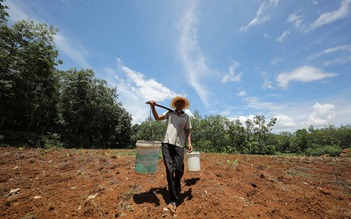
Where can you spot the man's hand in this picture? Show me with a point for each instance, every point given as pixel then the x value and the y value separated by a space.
pixel 190 148
pixel 151 102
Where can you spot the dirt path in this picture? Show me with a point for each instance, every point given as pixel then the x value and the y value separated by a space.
pixel 62 183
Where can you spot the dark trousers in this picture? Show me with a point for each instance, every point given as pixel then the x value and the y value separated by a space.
pixel 173 158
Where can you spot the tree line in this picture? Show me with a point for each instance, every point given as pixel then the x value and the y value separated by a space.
pixel 41 106
pixel 218 134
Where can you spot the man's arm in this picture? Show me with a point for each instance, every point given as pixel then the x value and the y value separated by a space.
pixel 188 135
pixel 154 112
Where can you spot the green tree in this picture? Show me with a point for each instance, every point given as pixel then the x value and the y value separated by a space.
pixel 3 14
pixel 257 133
pixel 344 135
pixel 151 130
pixel 301 141
pixel 197 132
pixel 237 137
pixel 28 79
pixel 90 114
pixel 284 142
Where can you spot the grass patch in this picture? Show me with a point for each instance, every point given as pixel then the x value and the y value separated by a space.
pixel 299 172
pixel 125 152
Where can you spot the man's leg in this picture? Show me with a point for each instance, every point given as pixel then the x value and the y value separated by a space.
pixel 168 155
pixel 179 168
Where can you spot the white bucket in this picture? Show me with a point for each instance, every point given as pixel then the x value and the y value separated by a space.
pixel 193 161
pixel 147 156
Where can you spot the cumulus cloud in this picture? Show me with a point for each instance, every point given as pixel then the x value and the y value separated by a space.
pixel 302 74
pixel 191 55
pixel 243 119
pixel 231 76
pixel 146 88
pixel 329 17
pixel 284 121
pixel 260 18
pixel 134 89
pixel 322 114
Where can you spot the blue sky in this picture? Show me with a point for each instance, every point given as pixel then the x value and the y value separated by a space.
pixel 289 59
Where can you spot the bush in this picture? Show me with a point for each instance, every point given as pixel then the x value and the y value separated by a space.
pixel 50 141
pixel 314 151
pixel 270 149
pixel 332 150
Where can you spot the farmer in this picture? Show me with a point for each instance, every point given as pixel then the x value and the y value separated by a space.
pixel 178 131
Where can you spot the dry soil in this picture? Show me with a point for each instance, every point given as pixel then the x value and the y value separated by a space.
pixel 71 183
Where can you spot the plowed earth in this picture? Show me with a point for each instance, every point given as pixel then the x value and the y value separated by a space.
pixel 70 183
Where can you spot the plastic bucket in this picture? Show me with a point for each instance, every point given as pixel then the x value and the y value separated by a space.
pixel 147 156
pixel 193 161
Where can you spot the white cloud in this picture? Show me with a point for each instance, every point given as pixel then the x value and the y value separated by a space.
pixel 148 89
pixel 296 115
pixel 191 55
pixel 231 76
pixel 338 61
pixel 257 104
pixel 296 20
pixel 302 74
pixel 134 89
pixel 342 59
pixel 282 37
pixel 259 14
pixel 329 17
pixel 243 119
pixel 267 84
pixel 68 45
pixel 331 50
pixel 16 11
pixel 73 49
pixel 284 121
pixel 241 94
pixel 322 114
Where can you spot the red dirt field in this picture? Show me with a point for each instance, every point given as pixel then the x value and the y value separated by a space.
pixel 71 183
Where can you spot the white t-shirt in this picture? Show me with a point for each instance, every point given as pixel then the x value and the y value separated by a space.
pixel 176 126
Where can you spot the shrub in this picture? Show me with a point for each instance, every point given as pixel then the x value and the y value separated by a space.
pixel 332 150
pixel 314 151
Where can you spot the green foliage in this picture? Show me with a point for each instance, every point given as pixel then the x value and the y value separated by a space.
pixel 28 96
pixel 3 13
pixel 331 150
pixel 90 116
pixel 150 130
pixel 52 141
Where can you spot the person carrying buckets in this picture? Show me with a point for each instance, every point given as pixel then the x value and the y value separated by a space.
pixel 178 131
